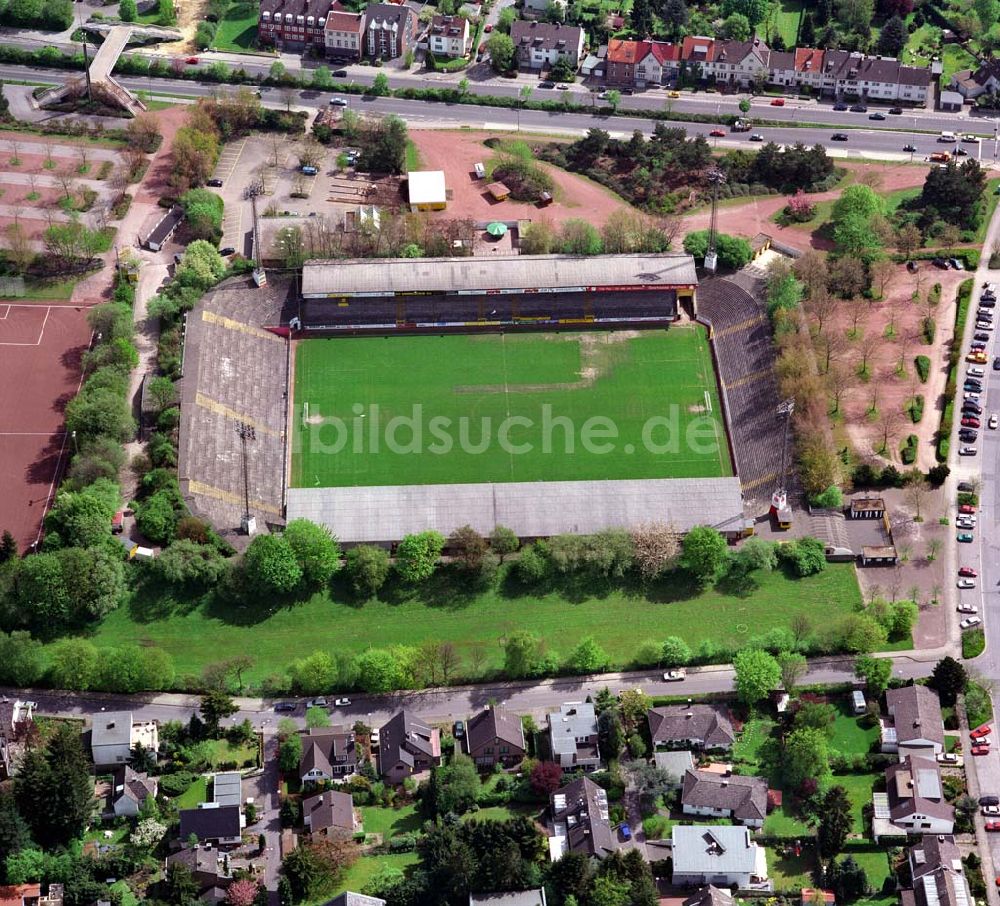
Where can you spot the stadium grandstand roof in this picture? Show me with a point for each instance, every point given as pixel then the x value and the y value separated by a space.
pixel 533 509
pixel 514 273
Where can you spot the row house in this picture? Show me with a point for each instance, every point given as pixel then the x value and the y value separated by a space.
pixel 539 45
pixel 389 30
pixel 640 63
pixel 381 31
pixel 877 78
pixel 294 25
pixel 344 33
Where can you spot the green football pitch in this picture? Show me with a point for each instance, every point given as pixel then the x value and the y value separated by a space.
pixel 506 407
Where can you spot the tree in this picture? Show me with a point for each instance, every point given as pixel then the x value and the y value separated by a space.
pixel 610 734
pixel 757 674
pixel 579 237
pixel 18 246
pixel 520 654
pixel 181 889
pixel 317 717
pixel 21 659
pixel 793 668
pixel 72 664
pixel 127 11
pixel 379 671
pixel 676 652
pixel 187 563
pixel 875 671
pixel 290 753
pixel 503 542
pixel 835 822
pixel 949 679
pixel 736 27
pixel 201 266
pixel 203 209
pixel 546 778
pixel 316 551
pixel 242 892
pixel 380 85
pixel 952 193
pixel 539 238
pixel 310 875
pixel 656 547
pixel 501 51
pixel 417 555
pixel 733 251
pixel 166 14
pixel 587 657
pixel 908 239
pixel 847 879
pixel 470 548
pixel 675 15
pixel 892 37
pixel 214 708
pixel 368 568
pixel 270 566
pixel 704 553
pixel 641 17
pixel 805 756
pixel 453 788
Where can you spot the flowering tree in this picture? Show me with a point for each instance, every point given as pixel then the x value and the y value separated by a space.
pixel 148 833
pixel 242 892
pixel 800 208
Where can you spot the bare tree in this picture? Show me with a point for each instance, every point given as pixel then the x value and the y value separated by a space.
pixel 33 184
pixel 936 593
pixel 83 152
pixel 839 379
pixel 916 493
pixel 275 141
pixel 897 581
pixel 889 422
pixel 18 247
pixel 49 162
pixel 66 180
pixel 15 152
pixel 288 98
pixel 16 211
pixel 933 549
pixel 869 346
pixel 832 344
pixel 450 661
pixel 820 305
pixel 859 309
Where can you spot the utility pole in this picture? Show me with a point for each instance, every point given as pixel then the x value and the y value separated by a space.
pixel 246 432
pixel 716 178
pixel 779 499
pixel 86 59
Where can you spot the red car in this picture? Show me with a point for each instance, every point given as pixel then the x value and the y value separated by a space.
pixel 778 102
pixel 967 508
pixel 717 133
pixel 993 825
pixel 980 732
pixel 488 29
pixel 192 61
pixel 980 750
pixel 969 573
pixel 970 422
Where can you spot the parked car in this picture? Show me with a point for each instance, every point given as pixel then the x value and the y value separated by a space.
pixel 342 703
pixel 876 116
pixel 338 102
pixel 967 571
pixel 992 423
pixel 991 810
pixel 226 251
pixel 839 137
pixel 192 61
pixel 966 583
pixel 778 102
pixel 966 486
pixel 840 107
pixel 546 84
pixel 374 738
pixel 956 263
pixel 967 451
pixel 318 702
pixel 961 152
pixel 967 608
pixel 756 137
pixel 968 623
pixel 214 183
pixel 981 336
pixel 339 73
pixel 910 148
pixel 896 111
pixel 674 94
pixel 980 731
pixel 971 406
pixel 626 831
pixel 968 435
pixel 989 800
pixel 970 422
pixel 947 758
pixel 488 28
pixel 284 706
pixel 984 325
pixel 987 303
pixel 458 729
pixel 972 396
pixel 562 86
pixel 912 266
pixel 965 537
pixel 970 139
pixel 674 676
pixel 993 826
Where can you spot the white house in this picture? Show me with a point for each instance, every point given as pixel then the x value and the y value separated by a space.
pixel 739 62
pixel 540 44
pixel 717 854
pixel 573 735
pixel 449 36
pixel 115 734
pixel 914 801
pixel 714 795
pixel 129 790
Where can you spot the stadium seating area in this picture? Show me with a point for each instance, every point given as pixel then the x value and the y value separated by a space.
pixel 744 355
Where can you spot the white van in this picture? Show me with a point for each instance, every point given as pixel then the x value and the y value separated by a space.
pixel 480 171
pixel 947 137
pixel 975 371
pixel 858 703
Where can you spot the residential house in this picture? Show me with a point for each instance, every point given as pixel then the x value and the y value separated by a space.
pixel 449 36
pixel 343 33
pixel 389 30
pixel 811 896
pixel 540 44
pixel 781 68
pixel 914 801
pixel 937 874
pixel 534 897
pixel 710 895
pixel 495 736
pixel 212 870
pixel 16 719
pixel 115 734
pixel 20 894
pixel 580 821
pixel 129 789
pixel 294 25
pixel 737 62
pixel 658 65
pixel 742 798
pixel 407 746
pixel 331 814
pixel 533 8
pixel 621 59
pixel 573 736
pixel 227 788
pixel 328 753
pixel 876 78
pixel 211 823
pixel 696 52
pixel 914 725
pixel 690 726
pixel 676 763
pixel 720 855
pixel 349 898
pixel 971 83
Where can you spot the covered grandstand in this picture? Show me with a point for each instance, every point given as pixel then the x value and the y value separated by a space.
pixel 539 291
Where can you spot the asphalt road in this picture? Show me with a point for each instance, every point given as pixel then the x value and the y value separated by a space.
pixel 861 142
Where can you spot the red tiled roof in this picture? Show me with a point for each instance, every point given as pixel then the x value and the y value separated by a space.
pixel 665 52
pixel 15 894
pixel 808 59
pixel 691 42
pixel 625 51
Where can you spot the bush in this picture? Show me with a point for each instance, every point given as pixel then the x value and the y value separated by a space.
pixel 525 179
pixel 908 451
pixel 973 645
pixel 175 784
pixel 928 329
pixel 915 408
pixel 923 365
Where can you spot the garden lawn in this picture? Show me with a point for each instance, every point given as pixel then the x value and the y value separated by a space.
pixel 356 878
pixel 873 860
pixel 390 821
pixel 953 58
pixel 790 872
pixel 859 789
pixel 194 795
pixel 849 736
pixel 783 821
pixel 619 618
pixel 459 394
pixel 223 752
pixel 786 20
pixel 238 29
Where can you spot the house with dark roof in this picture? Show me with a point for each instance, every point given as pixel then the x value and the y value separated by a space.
pixel 742 798
pixel 212 870
pixel 710 895
pixel 449 36
pixel 539 45
pixel 691 726
pixel 580 821
pixel 852 74
pixel 211 823
pixel 328 753
pixel 914 801
pixel 389 30
pixel 294 25
pixel 495 736
pixel 914 725
pixel 984 79
pixel 407 746
pixel 331 814
pixel 937 874
pixel 737 62
pixel 573 737
pixel 129 789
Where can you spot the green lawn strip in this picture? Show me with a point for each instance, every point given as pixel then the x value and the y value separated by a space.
pixel 749 757
pixel 412 155
pixel 859 788
pixel 913 54
pixel 390 821
pixel 193 795
pixel 786 20
pixel 990 198
pixel 199 634
pixel 788 871
pixel 875 862
pixel 238 29
pixel 953 58
pixel 983 714
pixel 850 737
pixel 357 877
pixel 478 382
pixel 223 752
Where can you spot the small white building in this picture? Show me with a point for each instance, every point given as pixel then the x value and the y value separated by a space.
pixel 449 36
pixel 115 734
pixel 717 854
pixel 427 190
pixel 573 736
